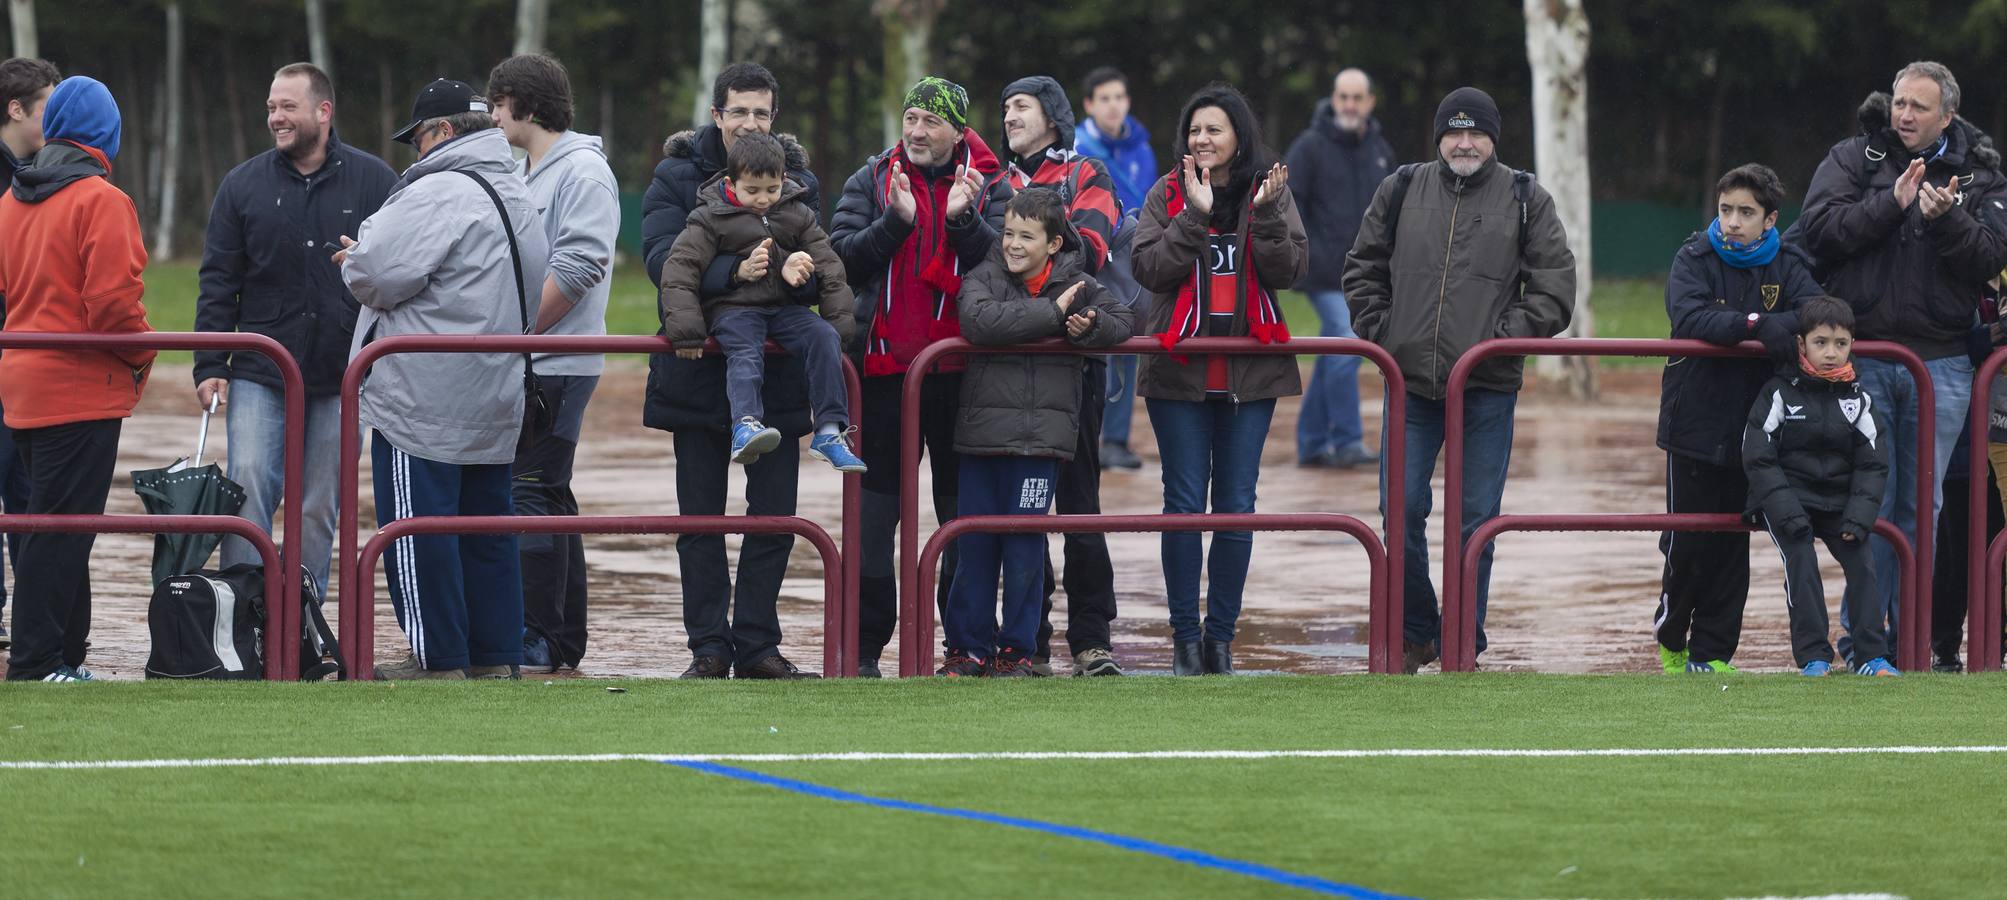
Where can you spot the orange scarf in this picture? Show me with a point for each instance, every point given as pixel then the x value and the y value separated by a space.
pixel 1036 283
pixel 1841 375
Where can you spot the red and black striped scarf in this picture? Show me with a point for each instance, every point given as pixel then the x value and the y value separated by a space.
pixel 925 269
pixel 1188 313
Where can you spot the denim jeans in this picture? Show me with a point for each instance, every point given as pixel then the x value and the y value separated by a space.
pixel 1121 400
pixel 1487 451
pixel 1330 418
pixel 257 418
pixel 1208 447
pixel 1894 393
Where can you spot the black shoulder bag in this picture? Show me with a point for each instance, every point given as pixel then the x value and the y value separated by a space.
pixel 532 392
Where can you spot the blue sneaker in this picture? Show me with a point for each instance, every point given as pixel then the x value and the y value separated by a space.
pixel 834 448
pixel 751 440
pixel 1817 668
pixel 537 654
pixel 1879 666
pixel 64 674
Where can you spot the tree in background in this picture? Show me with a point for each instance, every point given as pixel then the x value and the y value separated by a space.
pixel 1557 48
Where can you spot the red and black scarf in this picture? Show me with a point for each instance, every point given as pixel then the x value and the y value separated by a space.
pixel 925 270
pixel 1188 313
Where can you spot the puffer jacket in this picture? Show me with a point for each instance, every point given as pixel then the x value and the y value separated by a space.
pixel 1911 280
pixel 1333 173
pixel 721 227
pixel 1455 273
pixel 1166 255
pixel 1029 404
pixel 1813 445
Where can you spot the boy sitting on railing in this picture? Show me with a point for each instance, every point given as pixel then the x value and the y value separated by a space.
pixel 1019 420
pixel 1817 460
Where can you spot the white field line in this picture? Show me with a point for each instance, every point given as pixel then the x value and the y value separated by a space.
pixel 1389 753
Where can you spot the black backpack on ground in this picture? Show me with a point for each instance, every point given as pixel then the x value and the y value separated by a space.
pixel 212 625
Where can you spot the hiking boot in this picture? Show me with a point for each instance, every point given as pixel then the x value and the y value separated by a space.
pixel 708 665
pixel 494 673
pixel 1878 667
pixel 751 440
pixel 834 448
pixel 1414 656
pixel 537 654
pixel 961 665
pixel 775 667
pixel 1711 667
pixel 1095 661
pixel 1008 663
pixel 1817 668
pixel 1216 657
pixel 67 674
pixel 1672 661
pixel 408 669
pixel 1119 456
pixel 1185 659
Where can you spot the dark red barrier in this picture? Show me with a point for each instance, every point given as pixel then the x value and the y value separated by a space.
pixel 1982 606
pixel 281 617
pixel 1384 617
pixel 1459 612
pixel 361 652
pixel 1497 525
pixel 920 663
pixel 845 636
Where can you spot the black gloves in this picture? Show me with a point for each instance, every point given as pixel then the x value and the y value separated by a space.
pixel 1779 334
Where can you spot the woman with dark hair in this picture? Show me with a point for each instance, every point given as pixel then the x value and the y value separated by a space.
pixel 1218 237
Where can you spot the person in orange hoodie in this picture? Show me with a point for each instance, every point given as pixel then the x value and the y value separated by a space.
pixel 74 263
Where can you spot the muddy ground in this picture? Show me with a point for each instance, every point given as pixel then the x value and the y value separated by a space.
pixel 1560 602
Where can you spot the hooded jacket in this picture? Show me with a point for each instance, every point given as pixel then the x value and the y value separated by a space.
pixel 1911 280
pixel 1029 404
pixel 690 393
pixel 1701 399
pixel 721 226
pixel 1084 186
pixel 73 263
pixel 1131 162
pixel 575 191
pixel 1456 273
pixel 1333 173
pixel 1814 446
pixel 435 260
pixel 268 267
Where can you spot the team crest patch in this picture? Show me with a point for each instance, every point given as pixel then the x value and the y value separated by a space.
pixel 1770 292
pixel 1851 408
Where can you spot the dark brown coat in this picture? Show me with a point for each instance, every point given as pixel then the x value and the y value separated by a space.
pixel 718 226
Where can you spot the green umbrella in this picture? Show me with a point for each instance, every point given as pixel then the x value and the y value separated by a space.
pixel 187 489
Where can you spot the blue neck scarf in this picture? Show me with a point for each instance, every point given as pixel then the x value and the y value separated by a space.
pixel 1743 256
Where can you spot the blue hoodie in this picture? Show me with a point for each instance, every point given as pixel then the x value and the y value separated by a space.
pixel 1130 160
pixel 81 110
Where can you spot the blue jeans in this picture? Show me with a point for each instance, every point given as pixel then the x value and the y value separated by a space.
pixel 1121 400
pixel 1209 446
pixel 257 419
pixel 1894 393
pixel 1487 451
pixel 1330 418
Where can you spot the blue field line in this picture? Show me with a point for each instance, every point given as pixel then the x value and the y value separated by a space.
pixel 1185 855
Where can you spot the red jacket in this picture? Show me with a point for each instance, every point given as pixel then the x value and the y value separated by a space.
pixel 71 263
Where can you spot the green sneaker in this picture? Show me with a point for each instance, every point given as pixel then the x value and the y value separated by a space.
pixel 1712 666
pixel 1673 661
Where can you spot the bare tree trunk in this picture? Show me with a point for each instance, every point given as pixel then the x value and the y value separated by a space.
pixel 317 36
pixel 533 18
pixel 170 157
pixel 909 30
pixel 1557 48
pixel 22 15
pixel 715 44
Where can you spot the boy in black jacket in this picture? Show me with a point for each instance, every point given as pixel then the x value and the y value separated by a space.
pixel 1817 459
pixel 1737 281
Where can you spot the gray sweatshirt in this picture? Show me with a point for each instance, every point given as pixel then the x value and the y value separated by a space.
pixel 434 260
pixel 580 202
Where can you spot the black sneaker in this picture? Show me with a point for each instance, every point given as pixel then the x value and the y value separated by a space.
pixel 708 665
pixel 1415 656
pixel 5 641
pixel 775 667
pixel 1949 665
pixel 1010 663
pixel 868 668
pixel 961 665
pixel 537 654
pixel 1119 456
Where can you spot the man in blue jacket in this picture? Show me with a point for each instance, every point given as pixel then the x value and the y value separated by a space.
pixel 275 222
pixel 1112 135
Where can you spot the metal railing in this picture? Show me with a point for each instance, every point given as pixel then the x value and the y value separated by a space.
pixel 1983 572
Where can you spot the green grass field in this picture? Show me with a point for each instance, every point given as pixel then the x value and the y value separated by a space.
pixel 1916 825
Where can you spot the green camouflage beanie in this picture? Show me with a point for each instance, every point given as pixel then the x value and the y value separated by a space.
pixel 941 97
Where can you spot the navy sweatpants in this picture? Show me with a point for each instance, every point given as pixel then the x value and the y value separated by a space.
pixel 993 486
pixel 459 598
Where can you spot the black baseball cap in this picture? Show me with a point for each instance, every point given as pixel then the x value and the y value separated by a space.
pixel 443 97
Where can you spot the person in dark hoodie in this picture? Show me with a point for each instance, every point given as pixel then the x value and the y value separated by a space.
pixel 1335 165
pixel 25 85
pixel 1038 130
pixel 911 221
pixel 1020 422
pixel 73 263
pixel 265 270
pixel 687 398
pixel 1816 452
pixel 1735 282
pixel 1908 221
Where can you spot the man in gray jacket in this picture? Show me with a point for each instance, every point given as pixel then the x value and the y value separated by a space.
pixel 1451 253
pixel 570 182
pixel 438 258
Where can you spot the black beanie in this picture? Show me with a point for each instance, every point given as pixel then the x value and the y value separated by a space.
pixel 1052 98
pixel 1467 107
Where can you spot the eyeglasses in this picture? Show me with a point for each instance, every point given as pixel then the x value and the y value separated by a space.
pixel 740 114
